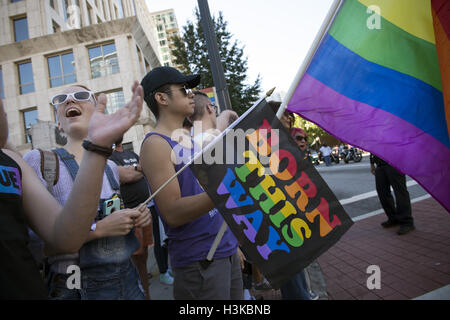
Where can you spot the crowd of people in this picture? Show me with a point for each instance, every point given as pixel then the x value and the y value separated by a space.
pixel 85 204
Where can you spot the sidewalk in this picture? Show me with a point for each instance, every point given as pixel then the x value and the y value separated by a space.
pixel 410 265
pixel 413 266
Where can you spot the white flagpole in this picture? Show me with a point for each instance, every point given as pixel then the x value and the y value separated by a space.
pixel 312 50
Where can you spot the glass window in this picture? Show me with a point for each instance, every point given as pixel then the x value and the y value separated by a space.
pixel 61 69
pixel 115 100
pixel 20 29
pixel 2 90
pixel 29 118
pixel 103 60
pixel 65 6
pixel 26 83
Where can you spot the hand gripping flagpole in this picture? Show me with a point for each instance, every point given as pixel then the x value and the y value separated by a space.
pixel 312 50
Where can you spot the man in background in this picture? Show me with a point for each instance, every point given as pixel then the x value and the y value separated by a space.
pixel 134 191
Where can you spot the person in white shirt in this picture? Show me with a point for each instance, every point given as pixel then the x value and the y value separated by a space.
pixel 326 151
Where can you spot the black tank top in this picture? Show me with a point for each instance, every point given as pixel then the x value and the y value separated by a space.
pixel 19 274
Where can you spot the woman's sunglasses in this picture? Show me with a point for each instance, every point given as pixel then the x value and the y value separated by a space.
pixel 78 96
pixel 300 138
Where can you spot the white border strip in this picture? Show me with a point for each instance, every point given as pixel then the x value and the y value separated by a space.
pixel 376 212
pixel 370 194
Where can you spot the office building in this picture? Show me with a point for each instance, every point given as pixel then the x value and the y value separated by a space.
pixel 46 45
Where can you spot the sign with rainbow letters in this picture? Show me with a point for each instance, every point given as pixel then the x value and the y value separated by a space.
pixel 274 201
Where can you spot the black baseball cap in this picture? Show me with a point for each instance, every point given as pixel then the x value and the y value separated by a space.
pixel 160 76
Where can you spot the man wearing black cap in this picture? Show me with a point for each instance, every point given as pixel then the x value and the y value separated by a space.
pixel 187 212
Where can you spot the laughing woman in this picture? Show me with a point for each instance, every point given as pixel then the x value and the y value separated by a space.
pixel 106 269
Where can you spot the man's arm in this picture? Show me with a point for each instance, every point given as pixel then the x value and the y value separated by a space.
pixel 129 174
pixel 226 118
pixel 158 168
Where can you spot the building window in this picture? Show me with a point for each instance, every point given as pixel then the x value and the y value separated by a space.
pixel 26 83
pixel 20 29
pixel 115 100
pixel 30 117
pixel 61 69
pixel 103 60
pixel 65 6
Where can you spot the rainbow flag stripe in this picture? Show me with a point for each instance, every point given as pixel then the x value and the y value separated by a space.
pixel 381 88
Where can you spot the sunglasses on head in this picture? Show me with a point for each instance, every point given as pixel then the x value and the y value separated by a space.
pixel 300 138
pixel 78 96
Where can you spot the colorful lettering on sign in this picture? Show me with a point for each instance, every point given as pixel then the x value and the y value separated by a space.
pixel 324 222
pixel 261 141
pixel 287 228
pixel 275 160
pixel 251 165
pixel 10 180
pixel 252 221
pixel 262 190
pixel 236 191
pixel 295 236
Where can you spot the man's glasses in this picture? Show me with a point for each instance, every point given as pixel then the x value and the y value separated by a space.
pixel 78 96
pixel 300 138
pixel 216 109
pixel 186 91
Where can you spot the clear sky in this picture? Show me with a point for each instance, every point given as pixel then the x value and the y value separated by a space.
pixel 277 34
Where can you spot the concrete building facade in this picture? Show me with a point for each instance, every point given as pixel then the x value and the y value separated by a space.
pixel 165 28
pixel 46 45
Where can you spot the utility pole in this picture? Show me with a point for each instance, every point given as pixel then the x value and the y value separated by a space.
pixel 214 57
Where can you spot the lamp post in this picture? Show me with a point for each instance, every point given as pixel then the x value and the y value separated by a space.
pixel 214 57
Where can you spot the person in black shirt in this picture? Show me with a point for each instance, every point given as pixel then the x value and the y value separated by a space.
pixel 134 190
pixel 398 212
pixel 24 201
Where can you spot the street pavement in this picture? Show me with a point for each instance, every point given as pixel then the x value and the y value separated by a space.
pixel 412 266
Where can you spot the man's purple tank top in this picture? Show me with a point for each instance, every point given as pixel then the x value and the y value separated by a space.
pixel 191 242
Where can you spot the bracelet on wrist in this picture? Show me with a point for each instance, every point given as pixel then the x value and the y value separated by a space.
pixel 104 151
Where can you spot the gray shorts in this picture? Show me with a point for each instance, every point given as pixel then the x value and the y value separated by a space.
pixel 221 280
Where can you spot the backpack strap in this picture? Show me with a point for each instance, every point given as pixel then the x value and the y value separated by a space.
pixel 69 160
pixel 112 180
pixel 49 168
pixel 72 166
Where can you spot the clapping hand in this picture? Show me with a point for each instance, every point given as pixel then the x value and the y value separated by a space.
pixel 105 129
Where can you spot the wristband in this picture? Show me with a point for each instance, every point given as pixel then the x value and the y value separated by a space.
pixel 94 226
pixel 89 146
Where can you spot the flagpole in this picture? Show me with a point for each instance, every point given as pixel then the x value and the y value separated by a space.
pixel 301 71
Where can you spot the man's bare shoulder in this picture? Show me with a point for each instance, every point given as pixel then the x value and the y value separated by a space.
pixel 154 149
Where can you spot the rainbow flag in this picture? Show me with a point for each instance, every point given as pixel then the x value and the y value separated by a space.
pixel 375 82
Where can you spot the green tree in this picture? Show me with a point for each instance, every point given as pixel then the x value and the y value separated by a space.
pixel 191 56
pixel 316 135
